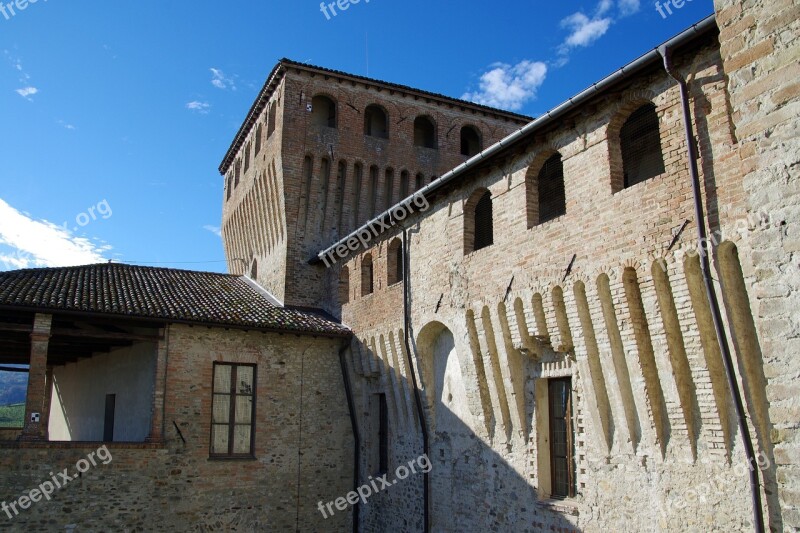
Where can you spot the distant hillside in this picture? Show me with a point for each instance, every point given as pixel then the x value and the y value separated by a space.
pixel 12 416
pixel 13 387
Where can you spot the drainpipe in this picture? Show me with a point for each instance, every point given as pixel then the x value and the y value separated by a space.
pixel 417 396
pixel 356 437
pixel 719 327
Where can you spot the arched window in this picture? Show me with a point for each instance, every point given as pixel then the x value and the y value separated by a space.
pixel 470 141
pixel 640 144
pixel 478 223
pixel 395 262
pixel 420 182
pixel 425 132
pixel 230 185
pixel 323 111
pixel 367 277
pixel 271 120
pixel 545 191
pixel 404 192
pixel 344 285
pixel 246 157
pixel 254 269
pixel 237 173
pixel 358 179
pixel 376 122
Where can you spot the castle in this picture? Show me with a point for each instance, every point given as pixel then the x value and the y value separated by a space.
pixel 445 317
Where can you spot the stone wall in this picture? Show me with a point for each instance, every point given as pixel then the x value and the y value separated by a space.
pixel 627 320
pixel 303 440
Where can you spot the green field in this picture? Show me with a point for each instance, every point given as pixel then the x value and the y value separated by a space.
pixel 12 416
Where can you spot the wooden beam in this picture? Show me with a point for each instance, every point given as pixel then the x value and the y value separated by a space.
pixel 24 328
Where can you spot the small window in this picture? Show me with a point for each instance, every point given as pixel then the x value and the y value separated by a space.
pixel 478 224
pixel 420 182
pixel 550 189
pixel 238 173
pixel 379 449
pixel 247 157
pixel 562 438
pixel 233 410
pixel 344 285
pixel 108 422
pixel 271 121
pixel 640 144
pixel 230 185
pixel 367 277
pixel 425 132
pixel 470 141
pixel 358 179
pixel 376 123
pixel 323 111
pixel 395 262
pixel 254 270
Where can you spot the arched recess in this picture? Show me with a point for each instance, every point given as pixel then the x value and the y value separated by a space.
pixel 376 122
pixel 323 111
pixel 443 380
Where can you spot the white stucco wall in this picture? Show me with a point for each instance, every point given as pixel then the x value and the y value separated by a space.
pixel 77 409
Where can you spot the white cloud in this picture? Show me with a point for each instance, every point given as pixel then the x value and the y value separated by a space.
pixel 27 242
pixel 66 125
pixel 198 107
pixel 213 229
pixel 629 7
pixel 509 87
pixel 27 92
pixel 220 81
pixel 583 30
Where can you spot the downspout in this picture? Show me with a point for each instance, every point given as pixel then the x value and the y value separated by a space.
pixel 719 327
pixel 417 396
pixel 356 437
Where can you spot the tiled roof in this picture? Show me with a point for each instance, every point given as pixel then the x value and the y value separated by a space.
pixel 157 293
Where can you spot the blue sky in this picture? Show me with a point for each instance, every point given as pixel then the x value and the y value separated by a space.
pixel 115 115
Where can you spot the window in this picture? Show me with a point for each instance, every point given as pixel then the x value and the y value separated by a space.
pixel 13 393
pixel 344 285
pixel 237 172
pixel 230 184
pixel 341 183
pixel 470 141
pixel 545 189
pixel 108 423
pixel 247 157
pixel 366 275
pixel 404 185
pixel 380 450
pixel 562 447
pixel 254 270
pixel 420 182
pixel 478 230
pixel 271 120
pixel 425 132
pixel 376 123
pixel 395 262
pixel 233 410
pixel 640 145
pixel 358 175
pixel 323 111
pixel 259 132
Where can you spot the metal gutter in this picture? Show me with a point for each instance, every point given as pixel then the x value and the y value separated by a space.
pixel 649 59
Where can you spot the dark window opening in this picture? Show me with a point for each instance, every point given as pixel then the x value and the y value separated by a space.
pixel 420 182
pixel 259 132
pixel 562 446
pixel 484 232
pixel 230 185
pixel 323 111
pixel 372 190
pixel 366 275
pixel 271 120
pixel 640 144
pixel 395 262
pixel 552 198
pixel 470 141
pixel 254 270
pixel 233 410
pixel 404 185
pixel 108 424
pixel 424 133
pixel 383 435
pixel 247 157
pixel 376 123
pixel 388 189
pixel 358 174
